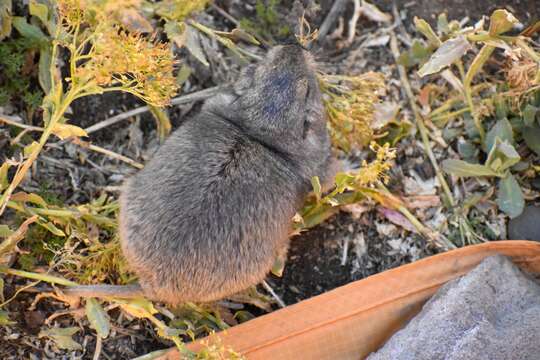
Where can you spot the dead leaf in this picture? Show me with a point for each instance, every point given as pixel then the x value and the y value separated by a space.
pixel 386 229
pixel 377 41
pixel 397 218
pixel 34 319
pixel 373 13
pixel 356 210
pixel 450 51
pixel 416 186
pixel 62 337
pixel 134 21
pixel 63 131
pixel 422 201
pixel 384 113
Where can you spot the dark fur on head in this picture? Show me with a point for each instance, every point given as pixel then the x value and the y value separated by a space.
pixel 210 212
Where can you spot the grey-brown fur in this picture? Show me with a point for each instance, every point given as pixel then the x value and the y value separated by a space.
pixel 210 212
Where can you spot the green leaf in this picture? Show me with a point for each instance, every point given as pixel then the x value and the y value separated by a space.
pixel 317 189
pixel 98 318
pixel 183 74
pixel 29 197
pixel 5 231
pixel 278 267
pixel 241 34
pixel 176 32
pixel 139 308
pixel 465 169
pixel 52 228
pixel 41 11
pixel 29 31
pixel 193 44
pixel 502 157
pixel 510 197
pixel 426 30
pixel 4 319
pixel 450 51
pixel 466 149
pixel 442 24
pixel 5 18
pixel 531 135
pixel 4 175
pixel 419 51
pixel 2 299
pixel 502 130
pixel 501 21
pixel 396 130
pixel 501 107
pixel 44 74
pixel 62 337
pixel 30 148
pixel 529 115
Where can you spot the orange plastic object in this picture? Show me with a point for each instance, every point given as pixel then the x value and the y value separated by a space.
pixel 353 320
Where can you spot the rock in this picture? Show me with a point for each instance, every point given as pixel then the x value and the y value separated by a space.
pixel 526 226
pixel 492 313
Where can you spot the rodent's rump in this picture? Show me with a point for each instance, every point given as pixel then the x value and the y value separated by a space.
pixel 212 209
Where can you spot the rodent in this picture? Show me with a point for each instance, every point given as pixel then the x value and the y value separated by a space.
pixel 212 209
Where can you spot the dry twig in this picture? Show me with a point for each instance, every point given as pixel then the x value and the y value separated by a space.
pixel 276 297
pixel 331 18
pixel 184 99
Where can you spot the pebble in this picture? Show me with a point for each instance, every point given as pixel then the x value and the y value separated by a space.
pixel 526 226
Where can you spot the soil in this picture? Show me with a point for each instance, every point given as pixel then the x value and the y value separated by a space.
pixel 343 249
pixel 526 11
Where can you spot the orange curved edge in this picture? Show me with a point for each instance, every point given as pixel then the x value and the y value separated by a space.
pixel 355 319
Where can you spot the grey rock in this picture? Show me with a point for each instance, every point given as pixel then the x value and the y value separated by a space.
pixel 526 226
pixel 492 313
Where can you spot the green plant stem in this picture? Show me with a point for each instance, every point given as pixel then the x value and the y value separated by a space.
pixel 523 44
pixel 449 115
pixel 448 198
pixel 224 41
pixel 174 338
pixel 484 36
pixel 47 131
pixel 476 66
pixel 35 276
pixel 42 211
pixel 162 120
pixel 432 236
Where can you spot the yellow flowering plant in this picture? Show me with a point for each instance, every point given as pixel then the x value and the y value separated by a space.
pixel 103 57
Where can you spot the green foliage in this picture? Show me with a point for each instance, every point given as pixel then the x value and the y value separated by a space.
pixel 17 77
pixel 267 23
pixel 508 110
pixel 350 187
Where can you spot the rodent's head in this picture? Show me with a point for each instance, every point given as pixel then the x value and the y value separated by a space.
pixel 278 100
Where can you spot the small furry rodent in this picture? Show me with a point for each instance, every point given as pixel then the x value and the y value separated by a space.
pixel 212 209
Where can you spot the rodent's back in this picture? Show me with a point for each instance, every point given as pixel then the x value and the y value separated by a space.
pixel 207 215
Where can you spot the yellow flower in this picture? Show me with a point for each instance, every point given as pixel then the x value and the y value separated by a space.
pixel 350 104
pixel 106 56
